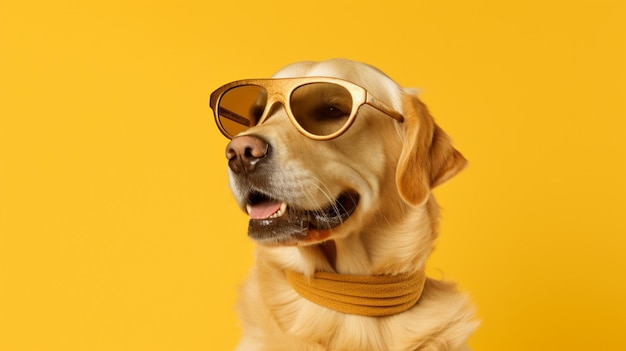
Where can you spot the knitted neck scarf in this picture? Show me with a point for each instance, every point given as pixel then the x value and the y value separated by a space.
pixel 365 295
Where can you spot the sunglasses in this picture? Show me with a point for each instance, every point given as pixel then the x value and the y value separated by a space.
pixel 322 108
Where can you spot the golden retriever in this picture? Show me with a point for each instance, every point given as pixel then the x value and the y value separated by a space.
pixel 358 204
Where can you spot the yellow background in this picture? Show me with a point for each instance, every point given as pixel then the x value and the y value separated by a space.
pixel 118 232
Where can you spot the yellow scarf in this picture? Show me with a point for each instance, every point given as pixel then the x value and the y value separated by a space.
pixel 365 295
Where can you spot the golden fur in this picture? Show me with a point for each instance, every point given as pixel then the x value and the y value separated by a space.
pixel 393 166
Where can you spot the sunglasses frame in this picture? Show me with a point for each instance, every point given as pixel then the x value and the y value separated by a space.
pixel 279 90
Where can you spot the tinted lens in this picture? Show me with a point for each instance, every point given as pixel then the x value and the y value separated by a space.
pixel 321 108
pixel 241 107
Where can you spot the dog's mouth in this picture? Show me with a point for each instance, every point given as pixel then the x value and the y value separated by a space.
pixel 275 222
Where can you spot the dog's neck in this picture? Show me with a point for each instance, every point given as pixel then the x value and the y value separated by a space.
pixel 379 250
pixel 354 274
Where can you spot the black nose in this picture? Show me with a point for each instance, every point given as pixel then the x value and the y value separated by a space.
pixel 245 152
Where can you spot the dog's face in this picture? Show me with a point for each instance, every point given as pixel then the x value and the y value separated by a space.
pixel 300 191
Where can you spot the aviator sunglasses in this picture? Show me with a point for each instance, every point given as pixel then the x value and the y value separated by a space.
pixel 322 108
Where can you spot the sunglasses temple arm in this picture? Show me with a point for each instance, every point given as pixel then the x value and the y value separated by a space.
pixel 235 117
pixel 384 108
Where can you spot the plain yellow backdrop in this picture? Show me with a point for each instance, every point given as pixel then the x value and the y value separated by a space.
pixel 118 231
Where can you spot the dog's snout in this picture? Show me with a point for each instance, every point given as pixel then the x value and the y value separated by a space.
pixel 245 152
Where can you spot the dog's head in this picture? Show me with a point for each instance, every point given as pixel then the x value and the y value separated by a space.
pixel 301 191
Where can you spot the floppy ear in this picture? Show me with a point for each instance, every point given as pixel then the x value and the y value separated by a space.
pixel 427 158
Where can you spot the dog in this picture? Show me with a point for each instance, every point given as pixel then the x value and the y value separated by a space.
pixel 344 216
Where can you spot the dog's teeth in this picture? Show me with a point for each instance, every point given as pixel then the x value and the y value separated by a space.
pixel 281 211
pixel 249 209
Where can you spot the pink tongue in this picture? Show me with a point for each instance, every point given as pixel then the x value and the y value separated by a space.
pixel 264 210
